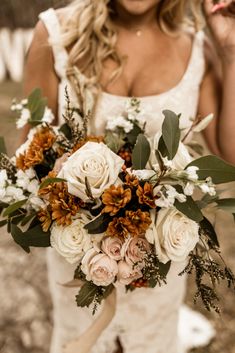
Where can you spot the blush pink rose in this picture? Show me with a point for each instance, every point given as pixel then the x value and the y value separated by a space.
pixel 134 250
pixel 99 268
pixel 127 273
pixel 112 246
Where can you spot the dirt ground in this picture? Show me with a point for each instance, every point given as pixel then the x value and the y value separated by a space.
pixel 25 306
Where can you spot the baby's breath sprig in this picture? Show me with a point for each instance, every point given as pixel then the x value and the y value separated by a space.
pixel 154 271
pixel 6 163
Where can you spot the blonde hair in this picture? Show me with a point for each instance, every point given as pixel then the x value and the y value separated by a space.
pixel 89 33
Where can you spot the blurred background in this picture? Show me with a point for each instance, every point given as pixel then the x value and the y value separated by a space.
pixel 25 306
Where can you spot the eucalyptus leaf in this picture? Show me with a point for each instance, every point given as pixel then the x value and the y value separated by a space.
pixel 160 160
pixel 65 129
pixel 98 225
pixel 34 237
pixel 49 181
pixel 162 147
pixel 133 134
pixel 227 204
pixel 86 294
pixel 2 145
pixel 209 230
pixel 36 105
pixel 189 209
pixel 214 167
pixel 171 133
pixel 140 153
pixel 12 208
pixel 114 142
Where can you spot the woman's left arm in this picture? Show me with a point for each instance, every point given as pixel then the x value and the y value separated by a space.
pixel 218 93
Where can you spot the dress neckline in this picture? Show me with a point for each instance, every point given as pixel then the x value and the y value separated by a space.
pixel 172 89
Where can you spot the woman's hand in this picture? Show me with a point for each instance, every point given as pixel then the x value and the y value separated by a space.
pixel 221 20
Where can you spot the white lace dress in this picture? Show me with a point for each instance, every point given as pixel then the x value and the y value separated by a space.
pixel 146 320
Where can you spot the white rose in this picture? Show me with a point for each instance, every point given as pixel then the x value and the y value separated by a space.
pixel 181 159
pixel 112 246
pixel 173 234
pixel 99 268
pixel 97 163
pixel 127 273
pixel 71 241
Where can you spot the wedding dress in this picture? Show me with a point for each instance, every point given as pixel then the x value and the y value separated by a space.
pixel 146 320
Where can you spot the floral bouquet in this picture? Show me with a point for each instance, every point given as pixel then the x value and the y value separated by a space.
pixel 122 206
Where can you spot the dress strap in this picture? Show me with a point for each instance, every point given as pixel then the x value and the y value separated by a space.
pixel 52 25
pixel 197 64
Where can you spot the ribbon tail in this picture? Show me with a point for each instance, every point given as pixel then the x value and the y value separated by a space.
pixel 87 340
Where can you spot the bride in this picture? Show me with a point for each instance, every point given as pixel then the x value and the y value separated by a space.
pixel 105 51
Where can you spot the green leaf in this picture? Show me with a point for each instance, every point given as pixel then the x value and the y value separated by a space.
pixel 86 294
pixel 171 133
pixel 141 153
pixel 48 181
pixel 164 268
pixel 2 145
pixel 3 222
pixel 65 129
pixel 36 105
pixel 133 134
pixel 189 209
pixel 214 167
pixel 113 141
pixel 162 147
pixel 99 224
pixel 227 205
pixel 160 160
pixel 28 218
pixel 209 230
pixel 12 208
pixel 33 237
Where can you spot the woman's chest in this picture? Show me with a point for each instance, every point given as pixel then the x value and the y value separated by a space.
pixel 151 65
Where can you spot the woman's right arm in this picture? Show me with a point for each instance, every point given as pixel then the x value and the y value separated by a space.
pixel 39 70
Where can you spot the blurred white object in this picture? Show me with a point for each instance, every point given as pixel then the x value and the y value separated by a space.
pixel 194 329
pixel 13 47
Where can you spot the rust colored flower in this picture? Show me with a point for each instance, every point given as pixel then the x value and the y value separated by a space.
pixel 90 138
pixel 145 195
pixel 44 139
pixel 20 162
pixel 63 205
pixel 119 227
pixel 31 158
pixel 44 217
pixel 49 188
pixel 115 198
pixel 131 181
pixel 138 222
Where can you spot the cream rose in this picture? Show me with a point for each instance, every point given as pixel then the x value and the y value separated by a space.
pixel 97 163
pixel 112 246
pixel 127 273
pixel 173 234
pixel 99 268
pixel 71 241
pixel 134 250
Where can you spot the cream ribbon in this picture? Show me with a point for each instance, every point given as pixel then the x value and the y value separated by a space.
pixel 85 342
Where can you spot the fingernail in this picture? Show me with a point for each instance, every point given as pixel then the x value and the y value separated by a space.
pixel 218 7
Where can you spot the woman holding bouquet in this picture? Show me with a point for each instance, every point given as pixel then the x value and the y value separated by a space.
pixel 104 52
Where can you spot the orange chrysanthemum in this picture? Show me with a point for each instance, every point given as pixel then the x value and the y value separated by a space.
pixel 31 158
pixel 131 181
pixel 44 139
pixel 44 192
pixel 125 154
pixel 119 227
pixel 145 195
pixel 139 222
pixel 62 204
pixel 44 217
pixel 115 198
